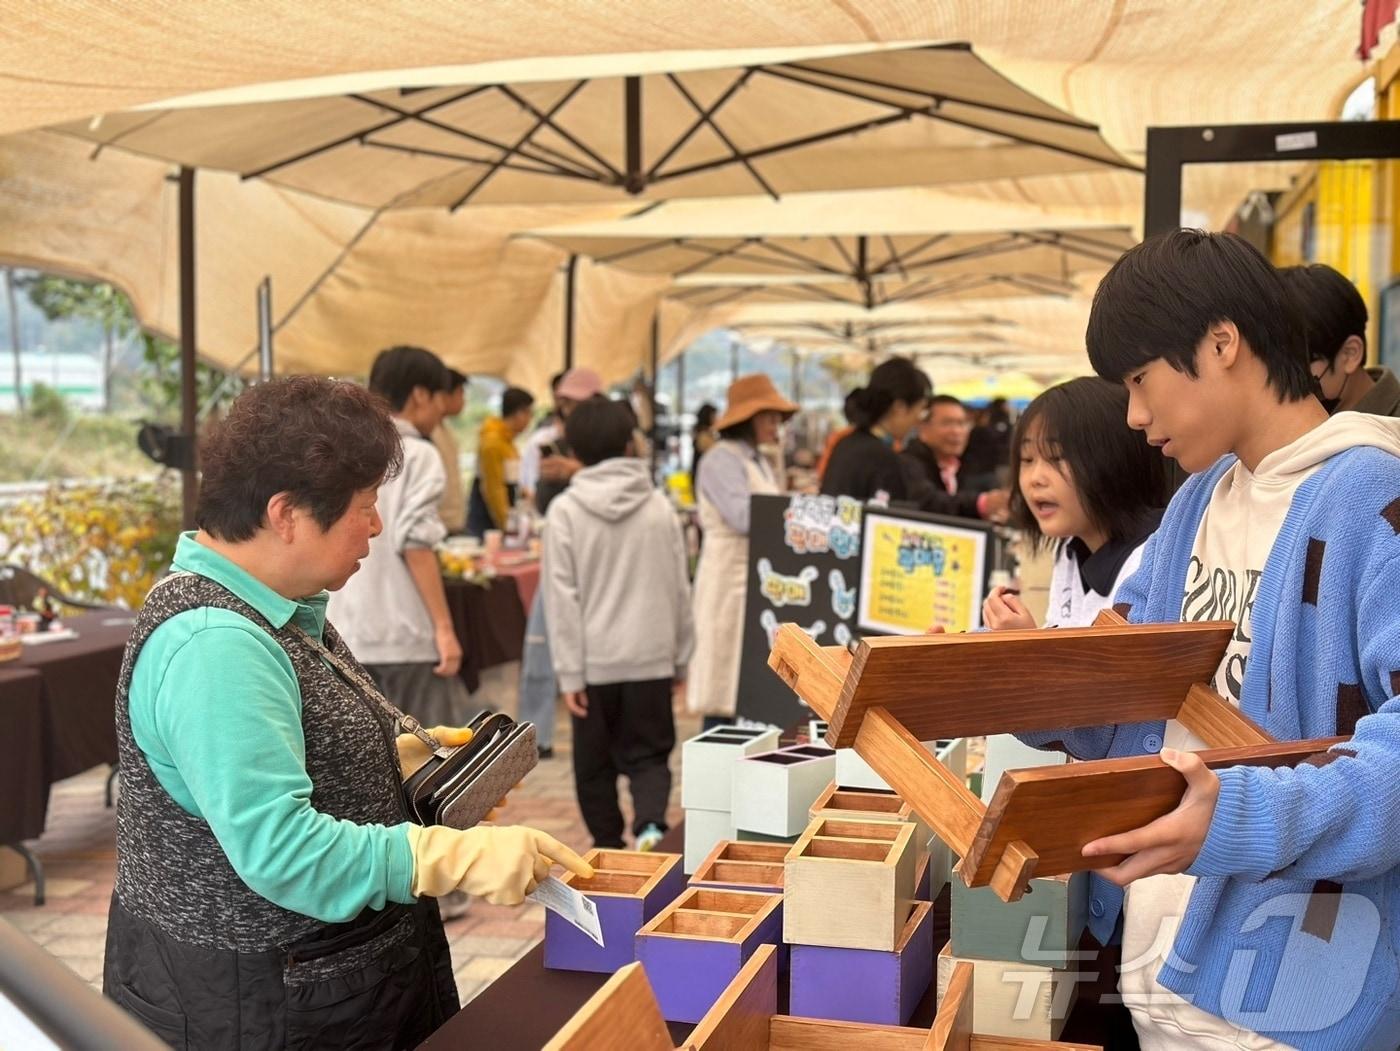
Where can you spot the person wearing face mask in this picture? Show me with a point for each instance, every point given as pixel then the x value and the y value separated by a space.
pixel 865 465
pixel 1334 320
pixel 271 890
pixel 732 471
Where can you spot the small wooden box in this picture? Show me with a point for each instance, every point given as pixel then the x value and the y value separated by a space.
pixel 774 790
pixel 696 946
pixel 865 985
pixel 849 884
pixel 702 830
pixel 628 888
pixel 1041 928
pixel 1014 1000
pixel 743 866
pixel 870 805
pixel 707 762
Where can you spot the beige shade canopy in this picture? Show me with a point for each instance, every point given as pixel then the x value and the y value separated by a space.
pixel 918 116
pixel 493 304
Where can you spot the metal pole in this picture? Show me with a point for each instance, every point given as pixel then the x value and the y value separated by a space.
pixel 733 359
pixel 1162 184
pixel 569 278
pixel 680 386
pixel 796 376
pixel 189 398
pixel 265 329
pixel 654 385
pixel 635 181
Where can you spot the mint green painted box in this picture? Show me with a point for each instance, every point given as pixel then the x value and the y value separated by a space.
pixel 1042 928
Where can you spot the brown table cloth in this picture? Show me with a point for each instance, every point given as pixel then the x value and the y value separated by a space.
pixel 526 1006
pixel 58 704
pixel 24 780
pixel 490 624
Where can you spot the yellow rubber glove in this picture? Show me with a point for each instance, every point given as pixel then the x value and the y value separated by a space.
pixel 500 864
pixel 413 753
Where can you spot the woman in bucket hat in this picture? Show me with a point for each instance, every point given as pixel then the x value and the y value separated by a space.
pixel 732 471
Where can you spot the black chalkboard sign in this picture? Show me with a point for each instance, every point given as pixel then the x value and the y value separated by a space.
pixel 804 568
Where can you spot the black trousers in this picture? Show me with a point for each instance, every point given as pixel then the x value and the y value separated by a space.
pixel 629 730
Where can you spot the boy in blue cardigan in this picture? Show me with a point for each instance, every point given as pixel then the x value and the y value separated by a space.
pixel 1265 910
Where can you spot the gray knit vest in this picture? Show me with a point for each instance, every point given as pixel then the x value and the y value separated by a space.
pixel 171 870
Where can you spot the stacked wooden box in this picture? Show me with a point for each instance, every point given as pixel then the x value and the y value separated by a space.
pixel 1023 954
pixel 628 889
pixel 772 792
pixel 697 945
pixel 707 784
pixel 861 945
pixel 736 865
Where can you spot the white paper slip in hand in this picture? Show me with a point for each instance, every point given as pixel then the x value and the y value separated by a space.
pixel 560 898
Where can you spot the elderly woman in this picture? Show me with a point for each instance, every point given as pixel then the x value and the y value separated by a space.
pixel 732 471
pixel 271 890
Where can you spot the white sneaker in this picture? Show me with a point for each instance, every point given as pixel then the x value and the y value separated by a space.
pixel 647 839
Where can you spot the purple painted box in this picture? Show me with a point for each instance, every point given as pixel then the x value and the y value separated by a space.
pixel 865 985
pixel 628 888
pixel 694 947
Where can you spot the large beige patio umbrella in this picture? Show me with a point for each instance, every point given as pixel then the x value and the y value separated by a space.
pixel 917 116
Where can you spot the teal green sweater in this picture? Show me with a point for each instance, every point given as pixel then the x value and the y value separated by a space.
pixel 216 709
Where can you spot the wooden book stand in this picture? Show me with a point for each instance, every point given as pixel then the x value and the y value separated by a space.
pixel 894 692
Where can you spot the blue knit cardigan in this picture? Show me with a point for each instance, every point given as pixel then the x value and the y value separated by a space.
pixel 1293 928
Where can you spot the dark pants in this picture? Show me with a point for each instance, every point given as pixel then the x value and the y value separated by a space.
pixel 712 722
pixel 629 730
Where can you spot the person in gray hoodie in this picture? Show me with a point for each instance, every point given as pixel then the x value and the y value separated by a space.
pixel 617 600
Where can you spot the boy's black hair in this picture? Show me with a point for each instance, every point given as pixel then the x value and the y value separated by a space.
pixel 1329 308
pixel 513 399
pixel 598 429
pixel 1161 297
pixel 398 370
pixel 1121 480
pixel 455 380
pixel 897 379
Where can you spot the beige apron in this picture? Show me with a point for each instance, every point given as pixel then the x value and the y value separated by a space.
pixel 718 602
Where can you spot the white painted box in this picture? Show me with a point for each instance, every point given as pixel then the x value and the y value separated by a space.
pixel 854 772
pixel 774 791
pixel 707 762
pixel 1014 999
pixel 1005 752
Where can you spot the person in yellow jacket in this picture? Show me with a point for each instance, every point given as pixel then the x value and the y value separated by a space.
pixel 498 462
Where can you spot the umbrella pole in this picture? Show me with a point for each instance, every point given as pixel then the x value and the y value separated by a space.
pixel 654 380
pixel 189 401
pixel 265 367
pixel 569 288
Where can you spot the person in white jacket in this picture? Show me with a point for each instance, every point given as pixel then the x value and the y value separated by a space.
pixel 1082 480
pixel 617 601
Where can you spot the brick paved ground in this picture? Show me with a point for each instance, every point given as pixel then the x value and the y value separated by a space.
pixel 78 850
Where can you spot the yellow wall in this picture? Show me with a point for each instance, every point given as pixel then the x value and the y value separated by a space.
pixel 1354 206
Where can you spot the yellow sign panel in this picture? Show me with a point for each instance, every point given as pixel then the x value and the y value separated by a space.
pixel 916 575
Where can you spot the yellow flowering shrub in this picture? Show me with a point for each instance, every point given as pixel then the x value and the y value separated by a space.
pixel 101 542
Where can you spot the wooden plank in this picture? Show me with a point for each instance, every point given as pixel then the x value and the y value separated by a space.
pixel 813 672
pixel 1014 871
pixel 624 1005
pixel 1056 810
pixel 1217 722
pixel 952 1027
pixel 740 1018
pixel 786 1033
pixel 936 794
pixel 947 686
pixel 1014 1043
pixel 1109 617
